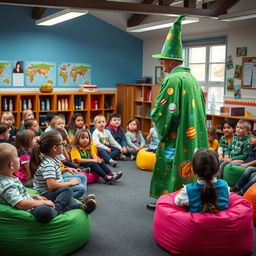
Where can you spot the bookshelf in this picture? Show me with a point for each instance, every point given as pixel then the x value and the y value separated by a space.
pixel 66 104
pixel 137 100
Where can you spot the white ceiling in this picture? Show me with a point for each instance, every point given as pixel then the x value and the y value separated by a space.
pixel 205 25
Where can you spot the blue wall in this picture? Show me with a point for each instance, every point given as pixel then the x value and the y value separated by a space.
pixel 115 56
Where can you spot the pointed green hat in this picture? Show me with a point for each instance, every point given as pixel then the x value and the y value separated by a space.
pixel 172 48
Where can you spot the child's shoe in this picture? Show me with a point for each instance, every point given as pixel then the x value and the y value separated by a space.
pixel 112 162
pixel 122 156
pixel 234 189
pixel 117 176
pixel 89 206
pixel 108 179
pixel 86 169
pixel 86 198
pixel 133 157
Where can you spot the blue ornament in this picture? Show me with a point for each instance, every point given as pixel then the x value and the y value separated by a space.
pixel 169 153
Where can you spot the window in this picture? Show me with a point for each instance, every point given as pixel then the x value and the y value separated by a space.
pixel 207 63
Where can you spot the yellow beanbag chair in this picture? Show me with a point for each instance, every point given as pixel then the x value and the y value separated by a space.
pixel 145 160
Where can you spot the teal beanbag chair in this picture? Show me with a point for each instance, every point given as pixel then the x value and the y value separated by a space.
pixel 22 235
pixel 232 173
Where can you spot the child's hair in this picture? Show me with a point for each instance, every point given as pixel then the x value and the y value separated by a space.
pixel 55 119
pixel 212 131
pixel 205 165
pixel 246 123
pixel 137 122
pixel 29 122
pixel 3 128
pixel 24 139
pixel 72 125
pixel 24 114
pixel 254 133
pixel 230 122
pixel 7 115
pixel 96 118
pixel 6 154
pixel 114 115
pixel 80 134
pixel 49 116
pixel 62 133
pixel 47 141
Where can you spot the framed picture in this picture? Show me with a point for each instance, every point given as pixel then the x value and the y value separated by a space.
pixel 159 75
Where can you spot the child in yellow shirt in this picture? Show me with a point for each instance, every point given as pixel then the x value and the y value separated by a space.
pixel 212 139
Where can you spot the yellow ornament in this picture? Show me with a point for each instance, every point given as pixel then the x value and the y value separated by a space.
pixel 184 92
pixel 165 192
pixel 193 103
pixel 170 91
pixel 169 36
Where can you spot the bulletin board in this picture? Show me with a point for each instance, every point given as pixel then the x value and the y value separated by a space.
pixel 249 72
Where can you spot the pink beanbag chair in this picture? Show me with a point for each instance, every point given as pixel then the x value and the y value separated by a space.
pixel 91 177
pixel 226 233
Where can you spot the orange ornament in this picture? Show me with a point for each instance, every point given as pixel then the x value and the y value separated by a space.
pixel 191 132
pixel 185 169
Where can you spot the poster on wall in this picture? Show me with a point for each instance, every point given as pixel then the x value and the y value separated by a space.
pixel 241 51
pixel 5 73
pixel 237 91
pixel 229 62
pixel 18 73
pixel 38 73
pixel 73 74
pixel 230 84
pixel 238 72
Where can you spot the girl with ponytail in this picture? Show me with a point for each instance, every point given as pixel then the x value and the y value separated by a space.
pixel 208 194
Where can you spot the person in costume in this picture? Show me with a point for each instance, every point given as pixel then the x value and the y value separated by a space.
pixel 179 117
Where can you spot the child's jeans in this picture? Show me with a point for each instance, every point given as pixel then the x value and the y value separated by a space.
pixel 100 168
pixel 107 156
pixel 247 179
pixel 80 189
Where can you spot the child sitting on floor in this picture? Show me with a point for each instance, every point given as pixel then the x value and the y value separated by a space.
pixel 84 154
pixel 212 139
pixel 228 128
pixel 76 123
pixel 8 118
pixel 134 137
pixel 118 133
pixel 107 146
pixel 209 194
pixel 4 133
pixel 47 174
pixel 152 139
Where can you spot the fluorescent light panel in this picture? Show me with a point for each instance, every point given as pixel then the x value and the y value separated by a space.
pixel 61 16
pixel 159 25
pixel 243 15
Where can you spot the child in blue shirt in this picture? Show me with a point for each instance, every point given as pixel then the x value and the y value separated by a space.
pixel 153 140
pixel 209 194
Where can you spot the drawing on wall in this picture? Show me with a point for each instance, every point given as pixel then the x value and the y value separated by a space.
pixel 18 73
pixel 238 72
pixel 230 84
pixel 229 62
pixel 38 73
pixel 237 91
pixel 5 73
pixel 73 74
pixel 159 74
pixel 241 51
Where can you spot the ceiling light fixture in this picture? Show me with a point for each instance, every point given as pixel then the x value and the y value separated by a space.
pixel 243 15
pixel 61 16
pixel 159 25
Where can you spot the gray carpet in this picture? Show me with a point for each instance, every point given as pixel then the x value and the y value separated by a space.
pixel 121 224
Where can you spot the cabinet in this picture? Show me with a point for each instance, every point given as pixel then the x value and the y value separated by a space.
pixel 66 104
pixel 216 120
pixel 137 100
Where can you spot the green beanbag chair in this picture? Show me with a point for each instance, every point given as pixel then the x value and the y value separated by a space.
pixel 22 235
pixel 232 173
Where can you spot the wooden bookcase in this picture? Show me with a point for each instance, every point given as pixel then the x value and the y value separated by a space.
pixel 137 100
pixel 89 104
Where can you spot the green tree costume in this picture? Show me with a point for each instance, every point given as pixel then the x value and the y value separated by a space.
pixel 179 117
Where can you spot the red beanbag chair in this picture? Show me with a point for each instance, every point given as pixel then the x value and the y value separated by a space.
pixel 91 177
pixel 226 233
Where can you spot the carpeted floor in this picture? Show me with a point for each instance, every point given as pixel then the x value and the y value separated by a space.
pixel 121 224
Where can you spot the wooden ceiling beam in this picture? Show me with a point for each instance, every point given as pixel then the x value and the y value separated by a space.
pixel 190 3
pixel 166 2
pixel 37 12
pixel 114 6
pixel 221 6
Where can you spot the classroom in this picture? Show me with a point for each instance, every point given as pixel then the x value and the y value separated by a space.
pixel 176 94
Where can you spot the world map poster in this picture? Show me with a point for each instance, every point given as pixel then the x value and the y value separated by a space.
pixel 73 74
pixel 5 73
pixel 38 73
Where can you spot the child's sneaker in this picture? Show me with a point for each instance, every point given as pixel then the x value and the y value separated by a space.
pixel 117 176
pixel 133 157
pixel 86 198
pixel 234 189
pixel 122 156
pixel 112 162
pixel 86 169
pixel 108 179
pixel 89 206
